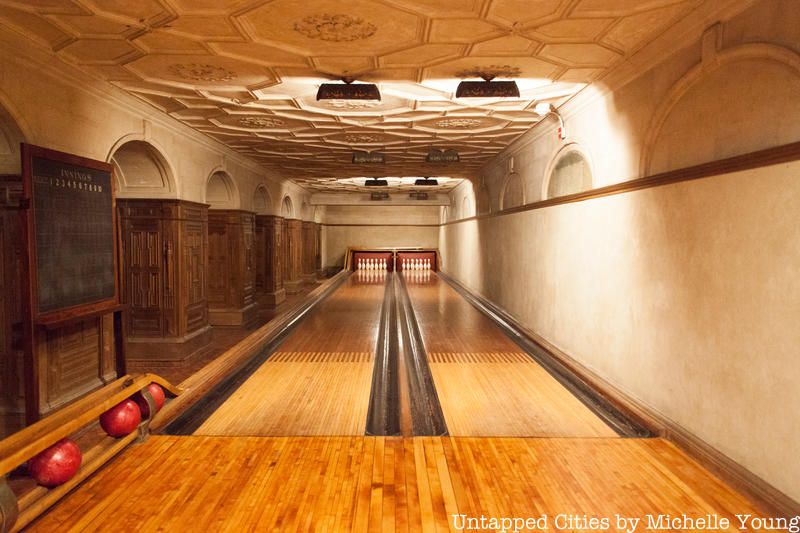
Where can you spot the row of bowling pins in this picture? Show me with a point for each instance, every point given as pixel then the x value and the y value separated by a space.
pixel 372 264
pixel 416 264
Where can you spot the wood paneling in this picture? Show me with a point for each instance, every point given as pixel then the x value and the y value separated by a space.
pixel 231 267
pixel 12 406
pixel 388 484
pixel 292 254
pixel 309 258
pixel 165 244
pixel 71 361
pixel 269 259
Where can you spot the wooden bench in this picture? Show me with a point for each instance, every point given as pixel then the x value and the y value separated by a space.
pixel 18 511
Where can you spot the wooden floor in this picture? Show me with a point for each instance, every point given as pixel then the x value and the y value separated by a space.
pixel 318 383
pixel 508 394
pixel 299 393
pixel 486 386
pixel 385 484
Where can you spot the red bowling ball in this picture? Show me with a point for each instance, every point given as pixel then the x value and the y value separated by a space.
pixel 157 393
pixel 121 419
pixel 57 464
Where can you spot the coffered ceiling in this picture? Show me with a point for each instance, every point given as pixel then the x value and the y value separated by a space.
pixel 246 72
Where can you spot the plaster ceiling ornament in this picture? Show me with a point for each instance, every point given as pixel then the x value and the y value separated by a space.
pixel 458 123
pixel 337 28
pixel 350 104
pixel 362 138
pixel 490 72
pixel 201 72
pixel 261 122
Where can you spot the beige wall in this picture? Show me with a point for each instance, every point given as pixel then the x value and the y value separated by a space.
pixel 386 226
pixel 684 296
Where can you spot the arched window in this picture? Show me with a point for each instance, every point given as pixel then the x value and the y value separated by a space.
pixel 569 174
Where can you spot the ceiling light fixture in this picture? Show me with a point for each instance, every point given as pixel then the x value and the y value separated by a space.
pixel 543 109
pixel 375 182
pixel 442 156
pixel 348 91
pixel 487 88
pixel 426 182
pixel 368 157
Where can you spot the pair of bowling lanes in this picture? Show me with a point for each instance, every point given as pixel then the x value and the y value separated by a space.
pixel 318 382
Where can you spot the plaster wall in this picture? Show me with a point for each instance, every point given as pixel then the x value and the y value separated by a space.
pixel 683 296
pixel 387 226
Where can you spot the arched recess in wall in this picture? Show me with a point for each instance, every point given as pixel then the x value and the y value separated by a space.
pixel 569 172
pixel 262 202
pixel 221 192
pixel 513 194
pixel 740 100
pixel 466 207
pixel 142 171
pixel 443 215
pixel 11 136
pixel 482 200
pixel 287 208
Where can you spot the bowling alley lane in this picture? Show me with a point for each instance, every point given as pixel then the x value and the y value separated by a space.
pixel 318 381
pixel 486 385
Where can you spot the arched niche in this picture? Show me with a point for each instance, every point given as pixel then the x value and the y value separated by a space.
pixel 10 138
pixel 262 202
pixel 569 172
pixel 513 192
pixel 287 208
pixel 743 100
pixel 221 191
pixel 142 171
pixel 444 215
pixel 482 200
pixel 466 207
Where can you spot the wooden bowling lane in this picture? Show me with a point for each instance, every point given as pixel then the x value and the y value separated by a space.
pixel 486 385
pixel 386 484
pixel 318 382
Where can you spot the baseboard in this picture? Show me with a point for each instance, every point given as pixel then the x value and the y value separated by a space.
pixel 769 499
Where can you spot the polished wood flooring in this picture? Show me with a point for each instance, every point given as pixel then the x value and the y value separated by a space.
pixel 385 484
pixel 299 393
pixel 305 388
pixel 486 386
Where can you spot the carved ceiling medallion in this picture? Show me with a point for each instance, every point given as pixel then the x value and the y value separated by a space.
pixel 458 123
pixel 261 122
pixel 337 28
pixel 199 72
pixel 491 71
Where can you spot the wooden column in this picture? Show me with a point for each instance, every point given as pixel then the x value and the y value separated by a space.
pixel 293 254
pixel 231 267
pixel 318 250
pixel 309 260
pixel 12 386
pixel 164 279
pixel 269 261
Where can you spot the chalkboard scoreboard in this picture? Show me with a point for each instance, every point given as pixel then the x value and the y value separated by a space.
pixel 71 232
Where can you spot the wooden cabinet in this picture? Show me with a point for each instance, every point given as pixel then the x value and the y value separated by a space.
pixel 293 255
pixel 165 279
pixel 269 260
pixel 231 267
